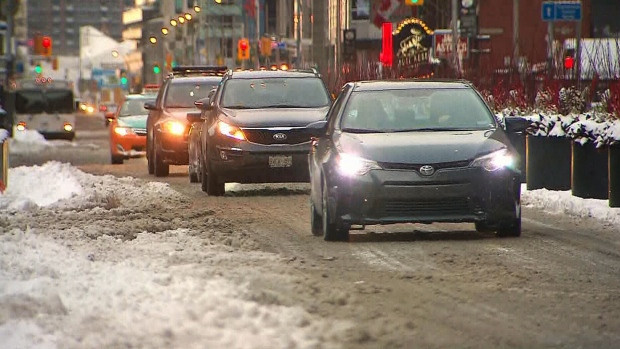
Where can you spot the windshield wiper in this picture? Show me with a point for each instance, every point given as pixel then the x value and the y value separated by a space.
pixel 285 106
pixel 361 130
pixel 437 129
pixel 238 107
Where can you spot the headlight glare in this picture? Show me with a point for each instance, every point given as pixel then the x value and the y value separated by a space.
pixel 174 127
pixel 497 160
pixel 351 165
pixel 230 131
pixel 121 131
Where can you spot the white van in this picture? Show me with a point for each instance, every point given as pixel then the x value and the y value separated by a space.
pixel 44 105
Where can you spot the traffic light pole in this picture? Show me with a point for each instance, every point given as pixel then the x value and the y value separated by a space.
pixel 9 43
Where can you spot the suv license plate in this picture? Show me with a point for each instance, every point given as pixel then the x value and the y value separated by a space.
pixel 280 161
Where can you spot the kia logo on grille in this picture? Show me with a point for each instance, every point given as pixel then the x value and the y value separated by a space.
pixel 279 136
pixel 427 170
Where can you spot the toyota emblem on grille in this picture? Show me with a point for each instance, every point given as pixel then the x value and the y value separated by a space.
pixel 427 170
pixel 279 136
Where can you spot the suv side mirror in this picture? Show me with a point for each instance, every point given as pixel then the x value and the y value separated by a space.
pixel 516 124
pixel 203 104
pixel 194 117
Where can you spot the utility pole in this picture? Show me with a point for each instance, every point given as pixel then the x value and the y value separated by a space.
pixel 455 37
pixel 257 3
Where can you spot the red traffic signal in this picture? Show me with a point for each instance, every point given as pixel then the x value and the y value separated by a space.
pixel 569 62
pixel 46 42
pixel 243 44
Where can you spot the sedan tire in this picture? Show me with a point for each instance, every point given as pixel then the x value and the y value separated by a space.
pixel 315 220
pixel 511 228
pixel 214 187
pixel 332 230
pixel 149 156
pixel 117 160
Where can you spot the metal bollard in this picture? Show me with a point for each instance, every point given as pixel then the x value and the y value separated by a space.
pixel 4 159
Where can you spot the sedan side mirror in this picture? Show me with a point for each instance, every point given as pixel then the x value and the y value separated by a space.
pixel 194 117
pixel 203 104
pixel 516 124
pixel 150 106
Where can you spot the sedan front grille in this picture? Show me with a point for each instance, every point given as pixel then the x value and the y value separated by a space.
pixel 426 207
pixel 266 136
pixel 140 131
pixel 416 167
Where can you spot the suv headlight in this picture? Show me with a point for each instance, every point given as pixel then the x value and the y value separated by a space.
pixel 497 160
pixel 174 127
pixel 351 165
pixel 230 131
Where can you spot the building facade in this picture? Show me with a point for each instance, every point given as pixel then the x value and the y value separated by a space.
pixel 62 19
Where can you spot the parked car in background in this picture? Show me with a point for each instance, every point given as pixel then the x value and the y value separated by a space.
pixel 258 125
pixel 413 151
pixel 127 127
pixel 167 124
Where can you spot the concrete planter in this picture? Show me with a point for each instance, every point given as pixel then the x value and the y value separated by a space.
pixel 548 163
pixel 589 171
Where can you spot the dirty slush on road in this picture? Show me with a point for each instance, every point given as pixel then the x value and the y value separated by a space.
pixel 129 263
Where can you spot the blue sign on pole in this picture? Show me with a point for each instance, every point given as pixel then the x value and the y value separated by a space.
pixel 548 11
pixel 568 11
pixel 561 11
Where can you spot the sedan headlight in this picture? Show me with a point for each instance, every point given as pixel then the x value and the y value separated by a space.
pixel 174 127
pixel 122 131
pixel 351 165
pixel 230 131
pixel 497 160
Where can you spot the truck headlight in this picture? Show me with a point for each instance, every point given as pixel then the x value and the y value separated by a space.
pixel 496 160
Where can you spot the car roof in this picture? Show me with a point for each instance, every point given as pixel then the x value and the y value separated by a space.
pixel 256 74
pixel 374 85
pixel 197 79
pixel 140 96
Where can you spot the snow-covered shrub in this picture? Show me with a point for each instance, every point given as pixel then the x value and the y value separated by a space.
pixel 571 101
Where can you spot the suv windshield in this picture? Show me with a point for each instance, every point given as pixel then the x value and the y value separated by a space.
pixel 44 101
pixel 135 107
pixel 274 93
pixel 184 94
pixel 439 109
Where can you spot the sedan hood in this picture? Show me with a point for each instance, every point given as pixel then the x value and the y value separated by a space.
pixel 280 117
pixel 421 147
pixel 134 121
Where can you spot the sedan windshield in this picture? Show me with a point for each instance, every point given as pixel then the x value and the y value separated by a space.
pixel 134 107
pixel 275 93
pixel 416 110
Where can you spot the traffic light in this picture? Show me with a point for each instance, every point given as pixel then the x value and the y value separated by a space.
pixel 124 79
pixel 569 59
pixel 156 68
pixel 414 2
pixel 38 69
pixel 243 49
pixel 42 45
pixel 46 43
pixel 569 62
pixel 348 50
